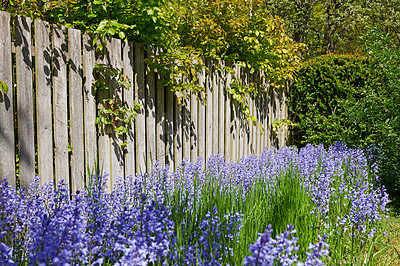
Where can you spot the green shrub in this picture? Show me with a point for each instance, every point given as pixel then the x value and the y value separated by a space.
pixel 355 99
pixel 319 95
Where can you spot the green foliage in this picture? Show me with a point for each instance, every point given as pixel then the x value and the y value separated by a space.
pixel 222 30
pixel 353 99
pixel 319 95
pixel 239 31
pixel 3 87
pixel 114 114
pixel 336 26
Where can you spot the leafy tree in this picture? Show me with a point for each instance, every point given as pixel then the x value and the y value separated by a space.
pixel 336 25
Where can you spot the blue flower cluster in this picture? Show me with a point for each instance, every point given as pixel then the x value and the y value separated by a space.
pixel 282 250
pixel 144 218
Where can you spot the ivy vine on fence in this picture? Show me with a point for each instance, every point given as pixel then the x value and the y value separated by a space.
pixel 114 115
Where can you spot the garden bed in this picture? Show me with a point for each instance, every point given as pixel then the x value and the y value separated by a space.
pixel 313 206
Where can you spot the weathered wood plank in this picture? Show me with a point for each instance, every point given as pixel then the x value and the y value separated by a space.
pixel 228 118
pixel 284 114
pixel 151 153
pixel 43 101
pixel 160 121
pixel 140 96
pixel 201 150
pixel 89 104
pixel 194 126
pixel 25 109
pixel 60 104
pixel 252 131
pixel 76 110
pixel 169 116
pixel 241 130
pixel 178 137
pixel 90 113
pixel 104 133
pixel 215 109
pixel 247 125
pixel 209 110
pixel 7 138
pixel 235 125
pixel 186 114
pixel 117 154
pixel 129 97
pixel 221 110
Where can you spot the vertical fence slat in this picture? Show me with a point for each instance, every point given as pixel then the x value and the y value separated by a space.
pixel 117 154
pixel 252 132
pixel 169 115
pixel 186 114
pixel 235 124
pixel 129 97
pixel 7 138
pixel 263 125
pixel 209 111
pixel 60 107
pixel 76 110
pixel 25 107
pixel 151 153
pixel 103 138
pixel 178 137
pixel 160 120
pixel 43 101
pixel 284 114
pixel 215 103
pixel 228 118
pixel 260 103
pixel 140 96
pixel 89 61
pixel 241 125
pixel 221 110
pixel 201 151
pixel 194 107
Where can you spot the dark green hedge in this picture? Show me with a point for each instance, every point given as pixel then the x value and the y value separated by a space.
pixel 353 99
pixel 323 94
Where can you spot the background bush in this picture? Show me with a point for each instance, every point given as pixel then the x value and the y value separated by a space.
pixel 353 99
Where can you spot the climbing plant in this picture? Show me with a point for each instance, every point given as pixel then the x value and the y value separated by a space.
pixel 114 114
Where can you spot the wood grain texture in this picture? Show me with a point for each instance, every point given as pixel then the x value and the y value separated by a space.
pixel 201 150
pixel 129 98
pixel 151 153
pixel 25 108
pixel 194 126
pixel 209 110
pixel 60 104
pixel 140 96
pixel 89 103
pixel 228 118
pixel 43 101
pixel 221 110
pixel 178 144
pixel 169 120
pixel 104 134
pixel 160 121
pixel 76 110
pixel 186 115
pixel 215 109
pixel 7 138
pixel 117 153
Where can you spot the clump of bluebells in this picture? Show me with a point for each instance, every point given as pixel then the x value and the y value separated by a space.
pixel 199 215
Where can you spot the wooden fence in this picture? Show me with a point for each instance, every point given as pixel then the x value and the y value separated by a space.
pixel 47 119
